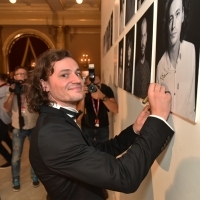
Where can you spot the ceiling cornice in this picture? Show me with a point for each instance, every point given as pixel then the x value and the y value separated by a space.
pixel 54 12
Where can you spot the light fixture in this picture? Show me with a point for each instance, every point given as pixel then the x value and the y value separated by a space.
pixel 12 1
pixel 85 60
pixel 79 1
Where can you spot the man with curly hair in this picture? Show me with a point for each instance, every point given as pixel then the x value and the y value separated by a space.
pixel 73 166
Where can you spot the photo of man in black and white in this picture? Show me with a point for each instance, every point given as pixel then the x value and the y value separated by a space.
pixel 120 63
pixel 177 66
pixel 143 54
pixel 128 73
pixel 130 10
pixel 121 15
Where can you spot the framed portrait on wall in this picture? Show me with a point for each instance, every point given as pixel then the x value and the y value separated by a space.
pixel 115 73
pixel 128 67
pixel 177 53
pixel 121 15
pixel 130 10
pixel 142 72
pixel 116 19
pixel 139 3
pixel 111 30
pixel 120 63
pixel 108 36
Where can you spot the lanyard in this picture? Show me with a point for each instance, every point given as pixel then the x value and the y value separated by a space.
pixel 96 110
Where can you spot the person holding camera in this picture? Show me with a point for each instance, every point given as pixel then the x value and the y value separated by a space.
pixel 22 121
pixel 99 100
pixel 5 120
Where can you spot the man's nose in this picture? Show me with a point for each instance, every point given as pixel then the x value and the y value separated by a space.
pixel 173 23
pixel 77 78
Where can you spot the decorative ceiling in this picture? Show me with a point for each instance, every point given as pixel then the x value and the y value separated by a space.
pixel 50 12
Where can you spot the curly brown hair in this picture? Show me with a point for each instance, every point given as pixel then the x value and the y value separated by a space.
pixel 36 96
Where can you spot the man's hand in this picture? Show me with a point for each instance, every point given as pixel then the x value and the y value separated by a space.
pixel 98 94
pixel 159 100
pixel 141 119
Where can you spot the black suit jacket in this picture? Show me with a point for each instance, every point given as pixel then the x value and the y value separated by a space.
pixel 72 166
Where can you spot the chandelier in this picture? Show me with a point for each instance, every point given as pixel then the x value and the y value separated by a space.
pixel 85 61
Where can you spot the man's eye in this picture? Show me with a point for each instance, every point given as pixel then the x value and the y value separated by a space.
pixel 65 75
pixel 78 74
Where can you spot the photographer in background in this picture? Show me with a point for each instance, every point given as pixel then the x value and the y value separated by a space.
pixel 95 107
pixel 5 120
pixel 22 121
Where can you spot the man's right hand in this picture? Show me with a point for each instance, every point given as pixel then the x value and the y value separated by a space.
pixel 159 100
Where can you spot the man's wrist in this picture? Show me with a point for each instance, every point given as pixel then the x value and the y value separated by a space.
pixel 105 98
pixel 11 89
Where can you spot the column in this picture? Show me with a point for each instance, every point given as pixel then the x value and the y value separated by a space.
pixel 2 67
pixel 60 37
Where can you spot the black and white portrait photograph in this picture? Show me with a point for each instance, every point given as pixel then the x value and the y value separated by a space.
pixel 130 10
pixel 115 21
pixel 139 3
pixel 142 72
pixel 177 53
pixel 108 36
pixel 115 73
pixel 128 69
pixel 120 62
pixel 121 15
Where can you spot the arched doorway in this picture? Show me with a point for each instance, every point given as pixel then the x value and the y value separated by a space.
pixel 22 47
pixel 24 51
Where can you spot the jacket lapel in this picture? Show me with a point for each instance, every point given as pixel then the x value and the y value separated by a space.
pixel 60 112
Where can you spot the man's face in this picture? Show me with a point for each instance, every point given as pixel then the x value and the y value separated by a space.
pixel 129 54
pixel 20 75
pixel 65 85
pixel 176 18
pixel 143 36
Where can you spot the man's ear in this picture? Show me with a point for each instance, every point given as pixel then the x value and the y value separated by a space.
pixel 45 85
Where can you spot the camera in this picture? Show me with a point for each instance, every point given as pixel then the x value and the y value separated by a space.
pixel 19 89
pixel 91 87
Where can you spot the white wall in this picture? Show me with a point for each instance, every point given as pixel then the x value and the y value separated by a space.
pixel 175 175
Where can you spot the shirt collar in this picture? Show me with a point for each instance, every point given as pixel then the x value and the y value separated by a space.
pixel 57 106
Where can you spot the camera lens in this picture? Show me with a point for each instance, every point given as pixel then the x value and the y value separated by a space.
pixel 92 88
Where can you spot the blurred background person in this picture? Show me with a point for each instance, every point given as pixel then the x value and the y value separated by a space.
pixel 5 120
pixel 22 121
pixel 95 107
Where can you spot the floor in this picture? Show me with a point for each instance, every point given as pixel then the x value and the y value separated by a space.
pixel 27 192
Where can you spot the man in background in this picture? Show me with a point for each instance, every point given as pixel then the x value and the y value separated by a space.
pixel 22 121
pixel 95 107
pixel 5 120
pixel 142 69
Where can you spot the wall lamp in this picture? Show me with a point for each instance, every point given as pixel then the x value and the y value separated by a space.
pixel 79 1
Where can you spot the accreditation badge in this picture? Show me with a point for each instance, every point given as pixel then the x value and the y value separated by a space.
pixel 96 122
